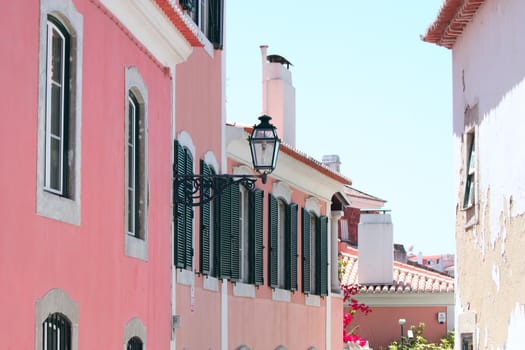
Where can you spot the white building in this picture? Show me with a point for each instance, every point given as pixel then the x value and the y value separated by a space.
pixel 488 67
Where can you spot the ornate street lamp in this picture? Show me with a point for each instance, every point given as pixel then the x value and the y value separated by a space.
pixel 196 190
pixel 264 147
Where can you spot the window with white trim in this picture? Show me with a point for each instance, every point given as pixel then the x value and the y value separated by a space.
pixel 57 107
pixel 135 169
pixel 59 111
pixel 135 165
pixel 208 16
pixel 469 199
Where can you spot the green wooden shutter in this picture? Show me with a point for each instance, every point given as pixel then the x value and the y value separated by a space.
pixel 215 29
pixel 256 199
pixel 179 211
pixel 306 251
pixel 291 249
pixel 322 244
pixel 225 239
pixel 188 218
pixel 235 208
pixel 273 240
pixel 205 226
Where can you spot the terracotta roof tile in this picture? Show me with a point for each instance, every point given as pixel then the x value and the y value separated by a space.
pixel 452 19
pixel 406 278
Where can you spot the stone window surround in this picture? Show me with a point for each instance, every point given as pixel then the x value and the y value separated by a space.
pixel 134 328
pixel 56 300
pixel 133 246
pixel 49 204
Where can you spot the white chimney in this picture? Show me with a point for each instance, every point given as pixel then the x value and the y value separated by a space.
pixel 375 244
pixel 332 161
pixel 278 95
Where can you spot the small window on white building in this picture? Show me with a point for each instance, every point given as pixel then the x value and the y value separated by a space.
pixel 469 199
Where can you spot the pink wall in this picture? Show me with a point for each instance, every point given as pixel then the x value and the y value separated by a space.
pixel 38 254
pixel 381 326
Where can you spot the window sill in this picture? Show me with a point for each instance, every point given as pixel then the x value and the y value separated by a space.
pixel 244 290
pixel 136 247
pixel 56 207
pixel 210 283
pixel 281 295
pixel 312 300
pixel 185 277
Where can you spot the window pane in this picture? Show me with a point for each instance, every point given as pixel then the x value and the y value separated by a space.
pixel 55 166
pixel 131 122
pixel 131 166
pixel 56 110
pixel 57 56
pixel 131 211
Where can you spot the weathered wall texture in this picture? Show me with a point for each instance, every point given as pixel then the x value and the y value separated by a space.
pixel 488 81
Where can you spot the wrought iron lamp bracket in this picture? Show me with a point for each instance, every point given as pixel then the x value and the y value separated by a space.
pixel 196 190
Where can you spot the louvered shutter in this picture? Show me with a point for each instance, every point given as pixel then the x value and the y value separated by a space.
pixel 225 234
pixel 273 254
pixel 322 243
pixel 306 251
pixel 205 225
pixel 256 236
pixel 291 249
pixel 188 218
pixel 179 210
pixel 235 207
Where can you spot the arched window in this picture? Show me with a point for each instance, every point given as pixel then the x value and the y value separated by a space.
pixel 136 160
pixel 56 322
pixel 56 332
pixel 134 343
pixel 59 111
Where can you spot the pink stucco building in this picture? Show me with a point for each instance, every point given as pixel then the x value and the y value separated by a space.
pixel 108 100
pixel 86 172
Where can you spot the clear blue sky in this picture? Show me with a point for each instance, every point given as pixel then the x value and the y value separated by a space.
pixel 368 89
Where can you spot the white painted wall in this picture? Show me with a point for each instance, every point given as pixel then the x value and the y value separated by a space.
pixel 491 53
pixel 489 70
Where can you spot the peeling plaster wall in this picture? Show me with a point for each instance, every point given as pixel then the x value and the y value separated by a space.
pixel 488 72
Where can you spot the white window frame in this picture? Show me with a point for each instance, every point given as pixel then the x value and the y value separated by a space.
pixel 470 209
pixel 62 114
pixel 61 204
pixel 131 169
pixel 136 241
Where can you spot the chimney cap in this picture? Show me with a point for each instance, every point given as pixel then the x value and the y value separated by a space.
pixel 279 59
